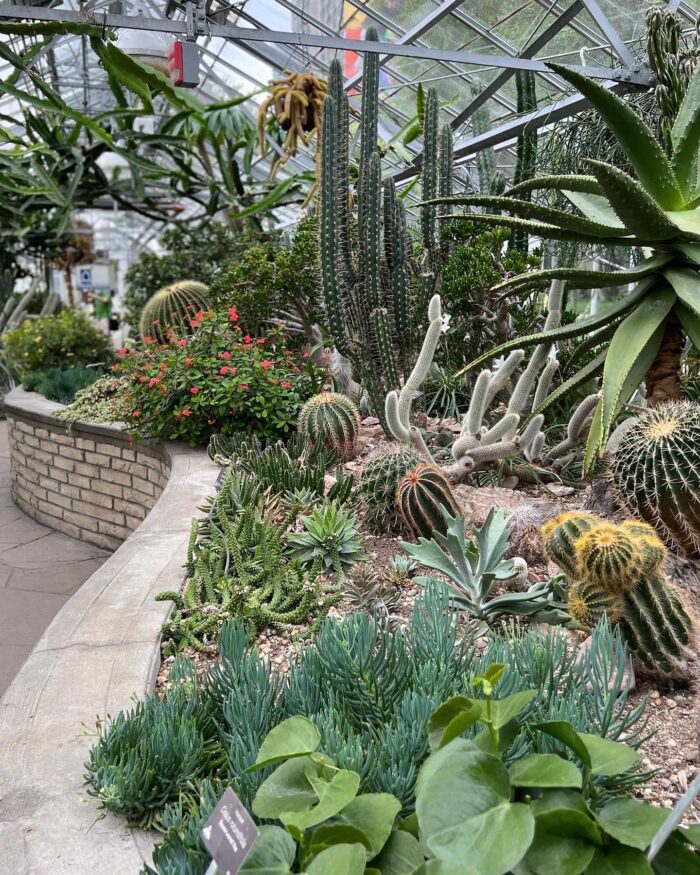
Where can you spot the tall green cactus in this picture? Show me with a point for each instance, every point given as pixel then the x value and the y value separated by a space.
pixel 526 152
pixel 491 179
pixel 365 260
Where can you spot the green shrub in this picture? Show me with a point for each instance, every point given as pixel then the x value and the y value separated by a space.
pixel 215 381
pixel 371 694
pixel 61 384
pixel 60 341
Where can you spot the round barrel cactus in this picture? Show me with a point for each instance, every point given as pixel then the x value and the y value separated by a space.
pixel 656 471
pixel 332 419
pixel 559 536
pixel 587 601
pixel 379 480
pixel 173 307
pixel 420 495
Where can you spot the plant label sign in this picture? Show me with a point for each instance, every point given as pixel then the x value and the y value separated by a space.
pixel 230 833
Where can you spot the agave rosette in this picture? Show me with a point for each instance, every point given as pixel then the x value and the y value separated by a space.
pixel 659 212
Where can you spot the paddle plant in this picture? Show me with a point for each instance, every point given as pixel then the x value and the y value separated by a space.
pixel 642 335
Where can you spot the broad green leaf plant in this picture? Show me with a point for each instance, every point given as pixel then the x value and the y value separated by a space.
pixel 544 814
pixel 641 335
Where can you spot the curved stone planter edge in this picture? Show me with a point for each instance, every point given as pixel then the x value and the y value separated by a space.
pixel 99 653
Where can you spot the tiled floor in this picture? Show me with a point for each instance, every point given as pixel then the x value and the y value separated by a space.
pixel 39 571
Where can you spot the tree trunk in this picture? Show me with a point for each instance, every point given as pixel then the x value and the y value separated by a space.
pixel 663 380
pixel 68 277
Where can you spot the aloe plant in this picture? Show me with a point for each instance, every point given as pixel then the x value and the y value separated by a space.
pixel 475 568
pixel 643 334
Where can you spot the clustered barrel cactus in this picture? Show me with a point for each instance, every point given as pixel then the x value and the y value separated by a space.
pixel 173 307
pixel 618 570
pixel 656 470
pixel 379 480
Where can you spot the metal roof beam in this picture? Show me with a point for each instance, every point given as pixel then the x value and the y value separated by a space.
pixel 248 35
pixel 617 44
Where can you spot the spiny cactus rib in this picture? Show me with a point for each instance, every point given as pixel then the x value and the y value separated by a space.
pixel 332 420
pixel 658 630
pixel 586 601
pixel 656 472
pixel 173 307
pixel 430 168
pixel 559 536
pixel 420 497
pixel 605 552
pixel 379 479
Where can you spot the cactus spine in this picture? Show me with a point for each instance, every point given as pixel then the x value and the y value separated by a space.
pixel 364 263
pixel 333 420
pixel 173 307
pixel 420 497
pixel 617 569
pixel 656 471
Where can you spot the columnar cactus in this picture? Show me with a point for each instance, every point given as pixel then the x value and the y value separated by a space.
pixel 333 420
pixel 656 471
pixel 364 263
pixel 617 570
pixel 173 307
pixel 380 478
pixel 526 151
pixel 420 497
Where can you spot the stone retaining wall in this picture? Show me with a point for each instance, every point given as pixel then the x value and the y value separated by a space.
pixel 85 480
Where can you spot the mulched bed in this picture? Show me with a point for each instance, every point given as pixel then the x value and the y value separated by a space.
pixel 673 713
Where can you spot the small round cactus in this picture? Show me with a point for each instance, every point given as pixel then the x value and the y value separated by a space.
pixel 379 480
pixel 173 307
pixel 559 536
pixel 587 601
pixel 332 419
pixel 656 471
pixel 606 553
pixel 420 495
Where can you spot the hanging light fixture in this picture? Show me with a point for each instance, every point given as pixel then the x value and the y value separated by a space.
pixel 150 47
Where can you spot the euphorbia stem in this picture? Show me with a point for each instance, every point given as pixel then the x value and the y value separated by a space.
pixel 663 379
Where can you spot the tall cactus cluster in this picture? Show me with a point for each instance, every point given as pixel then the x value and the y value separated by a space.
pixel 484 439
pixel 672 62
pixel 491 179
pixel 656 471
pixel 365 255
pixel 173 307
pixel 526 151
pixel 618 570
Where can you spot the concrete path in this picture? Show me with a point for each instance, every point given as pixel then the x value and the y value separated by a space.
pixel 39 571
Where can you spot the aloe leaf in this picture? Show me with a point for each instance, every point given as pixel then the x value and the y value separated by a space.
pixel 594 340
pixel 587 279
pixel 690 250
pixel 690 322
pixel 685 135
pixel 541 229
pixel 688 221
pixel 584 326
pixel 637 140
pixel 640 212
pixel 632 351
pixel 529 210
pixel 560 182
pixel 686 284
pixel 595 207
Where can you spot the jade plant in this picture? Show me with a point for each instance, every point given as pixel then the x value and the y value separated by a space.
pixel 642 335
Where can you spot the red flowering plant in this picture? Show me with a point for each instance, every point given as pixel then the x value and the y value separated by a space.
pixel 215 380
